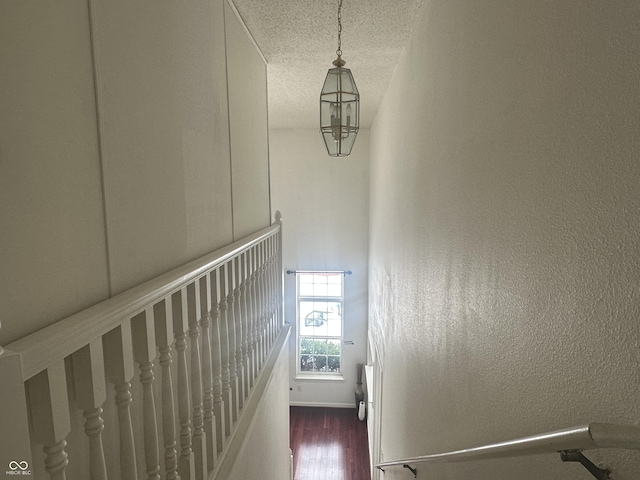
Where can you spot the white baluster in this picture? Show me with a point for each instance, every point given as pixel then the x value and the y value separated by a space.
pixel 270 291
pixel 90 393
pixel 239 331
pixel 246 329
pixel 277 282
pixel 49 406
pixel 118 356
pixel 186 460
pixel 246 287
pixel 144 351
pixel 279 273
pixel 56 460
pixel 162 314
pixel 224 349
pixel 260 300
pixel 204 284
pixel 216 358
pixel 231 330
pixel 199 440
pixel 255 346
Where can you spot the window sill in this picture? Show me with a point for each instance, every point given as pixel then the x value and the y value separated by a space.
pixel 338 377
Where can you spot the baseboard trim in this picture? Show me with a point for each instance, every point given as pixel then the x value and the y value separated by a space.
pixel 322 404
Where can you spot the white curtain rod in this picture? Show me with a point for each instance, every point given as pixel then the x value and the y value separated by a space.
pixel 295 272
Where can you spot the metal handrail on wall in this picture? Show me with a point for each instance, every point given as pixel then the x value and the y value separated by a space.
pixel 569 442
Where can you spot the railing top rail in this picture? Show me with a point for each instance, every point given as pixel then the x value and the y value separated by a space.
pixel 584 437
pixel 57 341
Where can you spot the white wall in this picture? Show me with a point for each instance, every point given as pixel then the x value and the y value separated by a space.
pixel 247 74
pixel 115 155
pixel 52 245
pixel 164 134
pixel 265 453
pixel 115 158
pixel 504 251
pixel 324 205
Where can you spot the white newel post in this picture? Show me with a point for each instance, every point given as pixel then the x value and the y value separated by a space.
pixel 14 447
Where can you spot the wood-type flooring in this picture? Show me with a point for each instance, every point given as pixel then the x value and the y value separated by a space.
pixel 328 444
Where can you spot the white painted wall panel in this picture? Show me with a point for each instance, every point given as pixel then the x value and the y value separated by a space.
pixel 504 248
pixel 52 243
pixel 264 452
pixel 247 76
pixel 163 117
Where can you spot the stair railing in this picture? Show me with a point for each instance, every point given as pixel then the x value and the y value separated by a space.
pixel 197 338
pixel 569 443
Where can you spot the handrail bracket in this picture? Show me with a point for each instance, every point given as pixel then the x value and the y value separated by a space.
pixel 577 456
pixel 413 470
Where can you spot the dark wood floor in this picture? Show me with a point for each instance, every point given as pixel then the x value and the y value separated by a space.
pixel 328 444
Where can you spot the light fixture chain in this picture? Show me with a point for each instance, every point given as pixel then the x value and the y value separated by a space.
pixel 339 51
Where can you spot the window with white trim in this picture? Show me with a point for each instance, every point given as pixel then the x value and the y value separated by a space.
pixel 320 298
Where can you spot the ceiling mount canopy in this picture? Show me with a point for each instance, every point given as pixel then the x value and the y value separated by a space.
pixel 339 104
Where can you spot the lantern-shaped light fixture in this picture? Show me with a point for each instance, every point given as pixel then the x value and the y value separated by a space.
pixel 339 105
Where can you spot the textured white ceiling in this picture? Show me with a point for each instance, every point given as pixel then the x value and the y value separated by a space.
pixel 299 39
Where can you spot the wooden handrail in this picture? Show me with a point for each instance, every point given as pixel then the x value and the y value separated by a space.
pixel 583 437
pixel 61 339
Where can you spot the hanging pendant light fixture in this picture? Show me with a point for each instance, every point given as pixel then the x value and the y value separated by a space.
pixel 339 104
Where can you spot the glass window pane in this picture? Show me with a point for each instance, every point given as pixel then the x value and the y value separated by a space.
pixel 305 290
pixel 334 290
pixel 305 277
pixel 333 347
pixel 320 346
pixel 320 321
pixel 334 329
pixel 306 331
pixel 319 278
pixel 320 290
pixel 333 364
pixel 320 363
pixel 306 345
pixel 306 363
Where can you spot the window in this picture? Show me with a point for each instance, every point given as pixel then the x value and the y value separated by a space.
pixel 319 311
